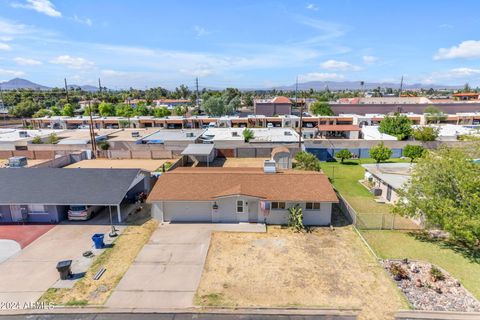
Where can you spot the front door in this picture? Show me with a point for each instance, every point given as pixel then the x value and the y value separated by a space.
pixel 253 212
pixel 17 212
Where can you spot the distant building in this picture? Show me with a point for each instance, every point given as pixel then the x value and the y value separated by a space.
pixel 466 96
pixel 271 107
pixel 171 102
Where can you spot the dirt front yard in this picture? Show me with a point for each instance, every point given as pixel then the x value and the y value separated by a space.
pixel 323 268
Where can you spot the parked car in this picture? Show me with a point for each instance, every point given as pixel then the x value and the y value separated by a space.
pixel 80 212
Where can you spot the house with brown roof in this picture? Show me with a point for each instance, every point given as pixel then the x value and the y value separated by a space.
pixel 273 107
pixel 236 195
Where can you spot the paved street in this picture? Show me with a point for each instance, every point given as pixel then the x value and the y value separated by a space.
pixel 167 271
pixel 25 276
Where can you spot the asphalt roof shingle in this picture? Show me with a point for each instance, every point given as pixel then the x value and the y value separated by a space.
pixel 65 186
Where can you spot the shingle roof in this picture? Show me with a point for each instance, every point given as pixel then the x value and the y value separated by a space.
pixel 281 99
pixel 203 184
pixel 65 186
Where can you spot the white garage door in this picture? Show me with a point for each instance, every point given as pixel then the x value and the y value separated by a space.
pixel 187 211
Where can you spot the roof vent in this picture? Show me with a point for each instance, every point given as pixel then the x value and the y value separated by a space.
pixel 135 134
pixel 269 166
pixel 234 134
pixel 287 133
pixel 23 134
pixel 189 134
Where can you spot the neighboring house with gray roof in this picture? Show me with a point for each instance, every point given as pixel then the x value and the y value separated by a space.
pixel 388 178
pixel 45 194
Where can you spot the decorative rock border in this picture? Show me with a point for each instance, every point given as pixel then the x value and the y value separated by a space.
pixel 424 292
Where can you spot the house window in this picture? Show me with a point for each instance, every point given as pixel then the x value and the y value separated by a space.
pixel 36 208
pixel 240 205
pixel 312 206
pixel 278 205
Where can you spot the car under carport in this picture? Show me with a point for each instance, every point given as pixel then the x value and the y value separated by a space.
pixel 43 195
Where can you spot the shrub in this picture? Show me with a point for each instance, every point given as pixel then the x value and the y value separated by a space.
pixel 398 125
pixel 413 152
pixel 37 140
pixel 398 271
pixel 248 135
pixel 103 145
pixel 426 133
pixel 295 219
pixel 307 161
pixel 53 138
pixel 436 274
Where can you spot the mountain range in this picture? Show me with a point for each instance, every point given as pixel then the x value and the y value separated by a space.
pixel 18 83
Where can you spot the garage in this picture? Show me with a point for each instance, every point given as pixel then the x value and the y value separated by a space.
pixel 187 211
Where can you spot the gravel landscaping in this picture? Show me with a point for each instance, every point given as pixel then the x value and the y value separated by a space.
pixel 430 288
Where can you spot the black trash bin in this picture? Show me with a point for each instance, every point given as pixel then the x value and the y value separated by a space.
pixel 64 268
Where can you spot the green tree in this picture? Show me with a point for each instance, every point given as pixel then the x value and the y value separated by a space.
pixel 413 152
pixel 234 104
pixel 124 123
pixel 425 133
pixel 295 218
pixel 103 145
pixel 343 154
pixel 141 110
pixel 380 152
pixel 321 108
pixel 124 110
pixel 248 99
pixel 248 135
pixel 37 140
pixel 106 109
pixel 444 190
pixel 214 106
pixel 55 111
pixel 161 112
pixel 41 113
pixel 180 110
pixel 24 109
pixel 68 110
pixel 397 125
pixel 434 114
pixel 306 161
pixel 52 138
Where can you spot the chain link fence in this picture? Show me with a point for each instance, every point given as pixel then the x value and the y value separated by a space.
pixel 376 221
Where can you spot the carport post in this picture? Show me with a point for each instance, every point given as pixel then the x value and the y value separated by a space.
pixel 119 213
pixel 113 232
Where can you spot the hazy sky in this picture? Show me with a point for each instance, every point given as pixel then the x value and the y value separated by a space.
pixel 238 43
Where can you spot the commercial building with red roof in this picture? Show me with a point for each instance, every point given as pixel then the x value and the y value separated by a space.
pixel 273 107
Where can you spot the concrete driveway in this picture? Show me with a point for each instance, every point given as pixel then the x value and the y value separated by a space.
pixel 27 275
pixel 167 272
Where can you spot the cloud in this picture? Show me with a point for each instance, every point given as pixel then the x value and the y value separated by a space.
pixel 312 6
pixel 5 46
pixel 42 6
pixel 329 30
pixel 11 73
pixel 200 31
pixel 86 21
pixel 467 49
pixel 369 59
pixel 320 76
pixel 26 61
pixel 198 72
pixel 72 62
pixel 336 65
pixel 463 74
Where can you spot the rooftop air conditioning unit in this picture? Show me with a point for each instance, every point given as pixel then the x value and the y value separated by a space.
pixel 189 134
pixel 287 133
pixel 376 192
pixel 234 134
pixel 269 166
pixel 135 134
pixel 23 134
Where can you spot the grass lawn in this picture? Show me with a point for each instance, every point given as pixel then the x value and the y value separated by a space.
pixel 281 268
pixel 116 260
pixel 399 245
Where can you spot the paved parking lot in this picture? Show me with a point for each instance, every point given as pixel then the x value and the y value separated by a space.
pixel 167 271
pixel 25 276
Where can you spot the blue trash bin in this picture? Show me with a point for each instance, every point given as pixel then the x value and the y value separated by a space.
pixel 98 240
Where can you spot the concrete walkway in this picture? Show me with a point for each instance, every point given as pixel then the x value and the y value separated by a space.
pixel 8 248
pixel 27 275
pixel 167 272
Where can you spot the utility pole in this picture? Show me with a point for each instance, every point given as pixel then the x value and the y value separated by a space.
pixel 401 87
pixel 3 106
pixel 197 101
pixel 92 132
pixel 66 88
pixel 301 115
pixel 99 86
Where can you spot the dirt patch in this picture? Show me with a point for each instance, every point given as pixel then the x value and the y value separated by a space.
pixel 323 268
pixel 244 162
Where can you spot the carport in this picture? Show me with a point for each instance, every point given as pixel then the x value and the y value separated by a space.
pixel 45 194
pixel 200 152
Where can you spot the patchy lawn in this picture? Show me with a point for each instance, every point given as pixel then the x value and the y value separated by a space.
pixel 280 268
pixel 116 260
pixel 464 266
